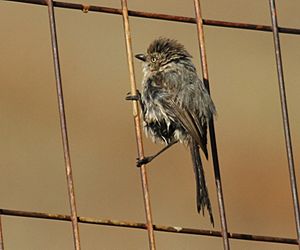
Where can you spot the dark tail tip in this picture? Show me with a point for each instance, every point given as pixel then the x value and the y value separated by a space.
pixel 212 220
pixel 200 208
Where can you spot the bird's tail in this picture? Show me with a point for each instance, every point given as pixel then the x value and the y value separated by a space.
pixel 201 188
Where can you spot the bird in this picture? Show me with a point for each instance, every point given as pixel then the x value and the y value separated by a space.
pixel 176 107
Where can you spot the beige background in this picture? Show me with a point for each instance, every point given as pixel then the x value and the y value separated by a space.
pixel 95 80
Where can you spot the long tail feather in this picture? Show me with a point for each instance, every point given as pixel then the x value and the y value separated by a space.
pixel 201 188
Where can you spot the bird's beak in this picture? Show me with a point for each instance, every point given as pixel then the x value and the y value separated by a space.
pixel 141 57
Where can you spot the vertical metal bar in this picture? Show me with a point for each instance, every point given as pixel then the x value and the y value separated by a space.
pixel 285 117
pixel 1 236
pixel 137 123
pixel 63 125
pixel 200 30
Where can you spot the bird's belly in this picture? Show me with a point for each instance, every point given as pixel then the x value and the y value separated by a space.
pixel 161 126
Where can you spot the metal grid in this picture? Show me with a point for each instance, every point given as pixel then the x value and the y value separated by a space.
pixel 149 226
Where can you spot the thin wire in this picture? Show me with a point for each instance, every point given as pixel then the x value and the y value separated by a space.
pixel 159 16
pixel 211 129
pixel 143 226
pixel 1 235
pixel 285 117
pixel 137 124
pixel 63 125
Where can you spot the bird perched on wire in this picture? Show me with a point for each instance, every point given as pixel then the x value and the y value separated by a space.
pixel 176 106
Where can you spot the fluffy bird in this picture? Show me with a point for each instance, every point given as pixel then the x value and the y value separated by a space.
pixel 176 107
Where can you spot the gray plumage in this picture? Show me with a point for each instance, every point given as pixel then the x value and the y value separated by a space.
pixel 176 105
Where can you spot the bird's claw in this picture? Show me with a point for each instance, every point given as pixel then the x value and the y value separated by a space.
pixel 143 161
pixel 136 97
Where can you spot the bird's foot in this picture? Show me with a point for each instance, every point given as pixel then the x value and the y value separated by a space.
pixel 135 97
pixel 143 161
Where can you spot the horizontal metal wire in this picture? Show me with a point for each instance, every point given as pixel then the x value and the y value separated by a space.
pixel 159 16
pixel 138 225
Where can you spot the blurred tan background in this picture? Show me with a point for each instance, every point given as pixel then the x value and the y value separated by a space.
pixel 103 151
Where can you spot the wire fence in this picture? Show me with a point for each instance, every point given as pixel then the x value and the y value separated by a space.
pixel 149 226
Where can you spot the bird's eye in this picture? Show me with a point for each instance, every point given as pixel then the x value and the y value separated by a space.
pixel 153 59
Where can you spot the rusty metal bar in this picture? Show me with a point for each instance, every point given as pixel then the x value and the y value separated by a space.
pixel 1 235
pixel 138 225
pixel 285 117
pixel 137 123
pixel 159 16
pixel 63 125
pixel 211 128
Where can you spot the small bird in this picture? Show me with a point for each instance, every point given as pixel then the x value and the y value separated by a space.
pixel 176 106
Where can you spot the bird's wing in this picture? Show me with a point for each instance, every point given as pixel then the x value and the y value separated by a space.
pixel 191 123
pixel 201 123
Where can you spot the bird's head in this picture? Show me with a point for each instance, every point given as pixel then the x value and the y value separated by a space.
pixel 161 52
